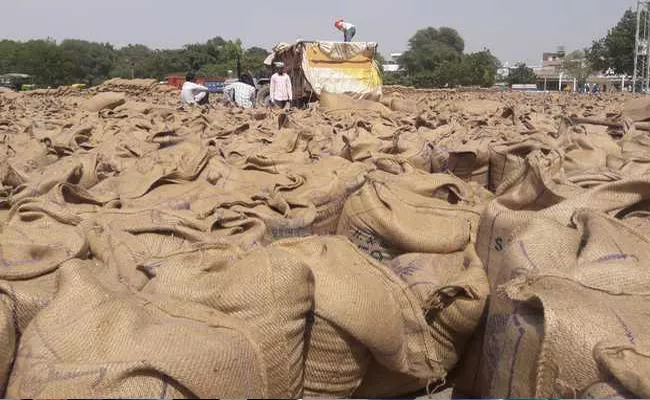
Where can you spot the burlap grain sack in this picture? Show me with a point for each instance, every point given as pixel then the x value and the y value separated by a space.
pixel 589 152
pixel 629 364
pixel 27 252
pixel 326 185
pixel 507 237
pixel 403 105
pixel 332 103
pixel 29 259
pixel 589 312
pixel 477 107
pixel 8 342
pixel 41 180
pixel 508 159
pixel 95 339
pixel 540 182
pixel 414 148
pixel 470 161
pixel 637 109
pixel 124 238
pixel 513 244
pixel 269 288
pixel 452 290
pixel 359 144
pixel 390 216
pixel 104 101
pixel 183 162
pixel 351 294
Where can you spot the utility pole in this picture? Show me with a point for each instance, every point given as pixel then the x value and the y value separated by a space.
pixel 641 48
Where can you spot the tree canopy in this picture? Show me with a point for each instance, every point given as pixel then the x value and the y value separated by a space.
pixel 521 74
pixel 616 50
pixel 78 61
pixel 435 58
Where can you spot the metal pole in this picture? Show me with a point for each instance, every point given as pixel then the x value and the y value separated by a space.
pixel 646 29
pixel 544 84
pixel 560 84
pixel 636 45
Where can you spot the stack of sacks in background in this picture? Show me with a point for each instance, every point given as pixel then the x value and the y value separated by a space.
pixel 338 251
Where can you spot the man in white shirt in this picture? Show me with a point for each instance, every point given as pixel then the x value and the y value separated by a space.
pixel 281 89
pixel 241 94
pixel 193 94
pixel 347 28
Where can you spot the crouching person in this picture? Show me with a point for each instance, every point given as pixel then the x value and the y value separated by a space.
pixel 241 94
pixel 193 93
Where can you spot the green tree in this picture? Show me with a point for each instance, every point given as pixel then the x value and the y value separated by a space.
pixel 253 60
pixel 429 48
pixel 92 61
pixel 133 61
pixel 616 50
pixel 9 51
pixel 521 74
pixel 576 65
pixel 478 69
pixel 47 62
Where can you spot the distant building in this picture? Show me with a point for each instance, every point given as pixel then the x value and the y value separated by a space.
pixel 551 75
pixel 392 64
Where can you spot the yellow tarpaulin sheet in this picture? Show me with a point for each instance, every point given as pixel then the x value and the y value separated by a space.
pixel 342 68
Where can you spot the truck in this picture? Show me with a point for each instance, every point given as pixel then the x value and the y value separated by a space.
pixel 334 67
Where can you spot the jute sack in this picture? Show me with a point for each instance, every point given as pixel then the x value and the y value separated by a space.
pixel 96 339
pixel 386 218
pixel 330 103
pixel 513 244
pixel 403 105
pixel 28 253
pixel 477 107
pixel 540 183
pixel 508 159
pixel 103 101
pixel 309 203
pixel 359 144
pixel 182 162
pixel 590 311
pixel 414 148
pixel 589 152
pixel 507 237
pixel 122 238
pixel 29 260
pixel 637 109
pixel 270 289
pixel 20 302
pixel 40 181
pixel 452 290
pixel 327 185
pixel 351 294
pixel 629 364
pixel 8 342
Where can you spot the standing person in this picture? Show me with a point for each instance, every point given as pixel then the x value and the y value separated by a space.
pixel 192 93
pixel 242 93
pixel 281 89
pixel 347 28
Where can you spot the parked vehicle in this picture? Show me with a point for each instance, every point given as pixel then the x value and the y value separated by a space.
pixel 15 81
pixel 335 67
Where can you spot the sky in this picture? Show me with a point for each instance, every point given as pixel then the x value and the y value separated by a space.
pixel 514 30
